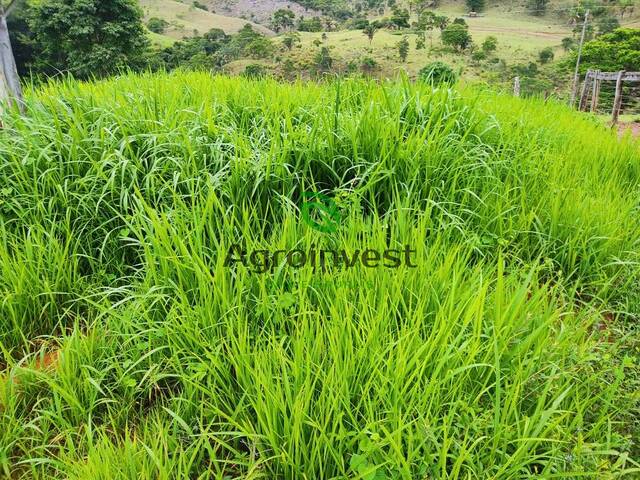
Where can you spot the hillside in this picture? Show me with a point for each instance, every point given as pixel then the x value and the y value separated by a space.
pixel 520 36
pixel 214 277
pixel 259 11
pixel 518 42
pixel 187 20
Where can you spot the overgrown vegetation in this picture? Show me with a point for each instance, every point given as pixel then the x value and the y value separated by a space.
pixel 130 350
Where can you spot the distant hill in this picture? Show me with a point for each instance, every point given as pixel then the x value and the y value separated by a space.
pixel 186 20
pixel 259 11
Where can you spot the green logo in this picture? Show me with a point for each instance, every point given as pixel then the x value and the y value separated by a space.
pixel 320 212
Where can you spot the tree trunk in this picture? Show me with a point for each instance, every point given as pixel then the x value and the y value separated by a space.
pixel 8 65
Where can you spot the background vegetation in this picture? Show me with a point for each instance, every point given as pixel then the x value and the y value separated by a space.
pixel 535 41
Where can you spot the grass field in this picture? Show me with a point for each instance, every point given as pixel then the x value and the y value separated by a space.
pixel 130 348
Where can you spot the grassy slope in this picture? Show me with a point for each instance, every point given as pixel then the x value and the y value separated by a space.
pixel 520 38
pixel 497 357
pixel 520 35
pixel 185 19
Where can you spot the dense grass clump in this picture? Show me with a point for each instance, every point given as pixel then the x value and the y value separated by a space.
pixel 130 349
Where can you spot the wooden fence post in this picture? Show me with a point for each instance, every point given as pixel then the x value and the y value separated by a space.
pixel 617 102
pixel 516 86
pixel 595 91
pixel 585 90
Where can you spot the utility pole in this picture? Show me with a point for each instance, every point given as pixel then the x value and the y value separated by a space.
pixel 8 71
pixel 574 87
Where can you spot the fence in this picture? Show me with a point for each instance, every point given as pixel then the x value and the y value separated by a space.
pixel 618 90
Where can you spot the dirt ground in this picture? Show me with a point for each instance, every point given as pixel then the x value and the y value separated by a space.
pixel 633 127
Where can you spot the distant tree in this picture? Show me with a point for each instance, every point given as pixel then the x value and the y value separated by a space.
pixel 460 21
pixel 246 43
pixel 456 36
pixel 420 43
pixel 403 49
pixel 23 44
pixel 88 37
pixel 618 50
pixel 261 47
pixel 359 24
pixel 438 73
pixel 199 61
pixel 567 43
pixel 475 5
pixel 420 6
pixel 323 60
pixel 490 44
pixel 400 17
pixel 215 38
pixel 537 7
pixel 546 55
pixel 157 25
pixel 427 21
pixel 195 52
pixel 324 36
pixel 282 19
pixel 370 31
pixel 607 24
pixel 442 22
pixel 290 40
pixel 312 25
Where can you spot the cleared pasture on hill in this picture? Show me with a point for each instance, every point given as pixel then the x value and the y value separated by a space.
pixel 352 45
pixel 130 350
pixel 184 19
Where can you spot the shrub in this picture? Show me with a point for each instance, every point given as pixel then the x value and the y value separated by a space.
pixel 368 64
pixel 323 60
pixel 438 73
pixel 475 5
pixel 546 55
pixel 490 44
pixel 456 36
pixel 403 49
pixel 567 43
pixel 255 70
pixel 199 5
pixel 157 25
pixel 478 56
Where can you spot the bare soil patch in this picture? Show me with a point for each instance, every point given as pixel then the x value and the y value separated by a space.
pixel 633 127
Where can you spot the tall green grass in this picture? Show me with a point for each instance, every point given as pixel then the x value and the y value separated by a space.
pixel 507 353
